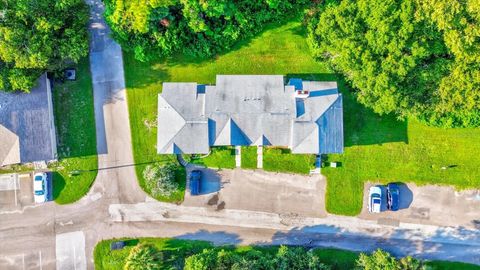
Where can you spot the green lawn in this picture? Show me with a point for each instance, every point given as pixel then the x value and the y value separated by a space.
pixel 377 148
pixel 77 147
pixel 221 157
pixel 175 251
pixel 281 49
pixel 249 157
pixel 282 160
pixel 380 148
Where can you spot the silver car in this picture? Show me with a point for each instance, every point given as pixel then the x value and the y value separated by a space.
pixel 375 199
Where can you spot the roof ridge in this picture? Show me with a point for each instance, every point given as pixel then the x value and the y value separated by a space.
pixel 171 140
pixel 13 142
pixel 174 134
pixel 315 125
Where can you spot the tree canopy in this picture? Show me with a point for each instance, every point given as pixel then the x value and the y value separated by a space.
pixel 38 36
pixel 193 27
pixel 285 259
pixel 143 257
pixel 380 259
pixel 418 58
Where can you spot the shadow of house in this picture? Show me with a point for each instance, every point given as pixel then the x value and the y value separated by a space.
pixel 210 182
pixel 29 119
pixel 406 196
pixel 216 237
pixel 451 244
pixel 360 124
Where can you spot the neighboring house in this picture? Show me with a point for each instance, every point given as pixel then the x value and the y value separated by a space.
pixel 259 110
pixel 27 129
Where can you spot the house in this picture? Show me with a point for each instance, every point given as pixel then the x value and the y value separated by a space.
pixel 27 129
pixel 258 110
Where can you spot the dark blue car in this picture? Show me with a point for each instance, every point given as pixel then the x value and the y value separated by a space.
pixel 195 182
pixel 393 197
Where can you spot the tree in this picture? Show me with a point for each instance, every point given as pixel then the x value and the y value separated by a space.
pixel 160 180
pixel 193 27
pixel 380 259
pixel 398 57
pixel 143 257
pixel 297 258
pixel 38 36
pixel 286 258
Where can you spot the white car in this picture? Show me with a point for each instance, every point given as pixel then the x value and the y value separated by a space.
pixel 375 199
pixel 40 190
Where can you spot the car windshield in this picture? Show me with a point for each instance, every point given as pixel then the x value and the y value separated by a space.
pixel 38 178
pixel 39 192
pixel 376 201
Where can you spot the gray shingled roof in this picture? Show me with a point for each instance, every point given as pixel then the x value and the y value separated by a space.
pixel 30 117
pixel 9 147
pixel 248 110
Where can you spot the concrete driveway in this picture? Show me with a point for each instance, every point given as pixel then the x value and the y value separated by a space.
pixel 257 190
pixel 16 192
pixel 251 207
pixel 434 205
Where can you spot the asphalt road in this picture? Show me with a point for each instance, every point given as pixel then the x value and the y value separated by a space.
pixel 51 236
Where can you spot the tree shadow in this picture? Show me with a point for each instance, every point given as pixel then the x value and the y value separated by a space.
pixel 361 125
pixel 57 184
pixel 406 196
pixel 339 246
pixel 144 74
pixel 216 237
pixel 210 182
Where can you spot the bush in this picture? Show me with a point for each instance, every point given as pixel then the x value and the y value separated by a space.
pixel 285 259
pixel 383 260
pixel 143 257
pixel 161 179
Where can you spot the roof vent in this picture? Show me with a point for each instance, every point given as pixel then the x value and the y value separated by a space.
pixel 302 94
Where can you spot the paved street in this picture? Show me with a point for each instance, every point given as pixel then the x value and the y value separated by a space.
pixel 52 236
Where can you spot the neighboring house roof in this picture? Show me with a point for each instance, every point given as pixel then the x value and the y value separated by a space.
pixel 9 147
pixel 29 116
pixel 250 110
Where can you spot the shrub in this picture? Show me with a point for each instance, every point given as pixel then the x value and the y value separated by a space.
pixel 160 180
pixel 286 258
pixel 143 257
pixel 383 260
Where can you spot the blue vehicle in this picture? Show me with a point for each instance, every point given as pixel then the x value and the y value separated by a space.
pixel 195 182
pixel 393 197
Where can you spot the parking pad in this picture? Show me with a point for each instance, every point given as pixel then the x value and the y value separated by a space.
pixel 429 204
pixel 9 189
pixel 70 251
pixel 257 190
pixel 31 260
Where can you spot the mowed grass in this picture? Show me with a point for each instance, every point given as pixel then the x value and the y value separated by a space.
pixel 222 157
pixel 175 251
pixel 383 149
pixel 249 157
pixel 77 147
pixel 377 148
pixel 282 160
pixel 280 49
